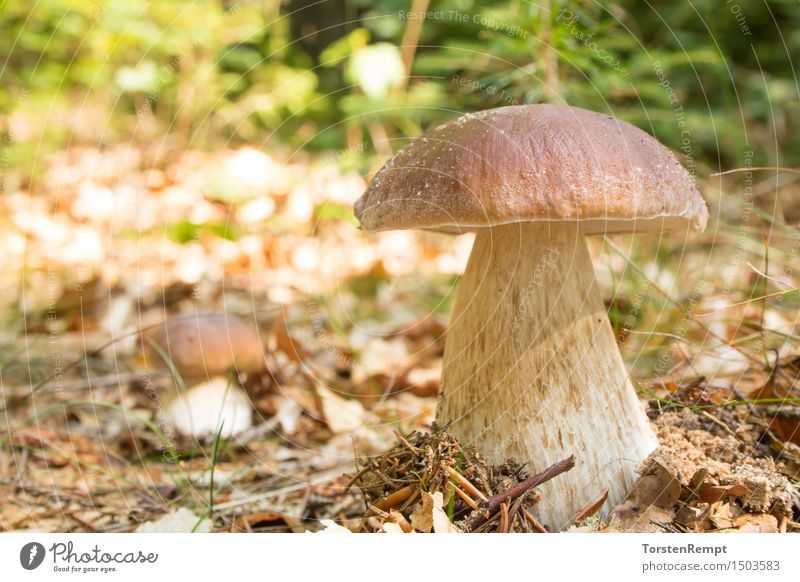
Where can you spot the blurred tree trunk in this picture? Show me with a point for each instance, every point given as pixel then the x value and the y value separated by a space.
pixel 315 27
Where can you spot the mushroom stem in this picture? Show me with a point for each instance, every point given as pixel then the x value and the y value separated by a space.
pixel 532 370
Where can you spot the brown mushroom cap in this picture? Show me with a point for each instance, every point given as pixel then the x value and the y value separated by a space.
pixel 530 163
pixel 206 345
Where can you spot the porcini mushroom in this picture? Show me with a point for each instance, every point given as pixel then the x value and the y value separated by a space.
pixel 206 345
pixel 531 367
pixel 205 350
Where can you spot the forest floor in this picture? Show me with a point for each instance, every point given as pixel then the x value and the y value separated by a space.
pixel 103 244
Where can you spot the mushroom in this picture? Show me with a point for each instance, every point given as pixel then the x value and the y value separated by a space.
pixel 207 345
pixel 531 367
pixel 205 350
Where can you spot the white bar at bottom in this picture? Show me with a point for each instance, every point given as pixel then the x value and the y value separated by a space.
pixel 385 558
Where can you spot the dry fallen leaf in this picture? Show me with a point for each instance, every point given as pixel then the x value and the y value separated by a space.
pixel 341 415
pixel 441 523
pixel 749 523
pixel 422 514
pixel 424 381
pixel 392 527
pixel 331 526
pixel 721 515
pixel 629 517
pixel 287 414
pixel 180 521
pixel 658 486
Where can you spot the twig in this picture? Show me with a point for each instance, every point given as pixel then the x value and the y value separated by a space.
pixel 718 422
pixel 533 481
pixel 589 509
pixel 396 498
pixel 750 169
pixel 514 510
pixel 403 440
pixel 465 483
pixel 503 517
pixel 533 522
pixel 410 501
pixel 379 512
pixel 513 493
pixel 361 472
pixel 400 520
pixel 467 499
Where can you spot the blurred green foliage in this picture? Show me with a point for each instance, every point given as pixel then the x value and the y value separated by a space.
pixel 711 76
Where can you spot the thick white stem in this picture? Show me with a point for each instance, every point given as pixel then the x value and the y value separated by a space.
pixel 532 370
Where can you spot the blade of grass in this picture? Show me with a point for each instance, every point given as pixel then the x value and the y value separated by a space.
pixel 214 457
pixel 209 514
pixel 753 300
pixel 168 361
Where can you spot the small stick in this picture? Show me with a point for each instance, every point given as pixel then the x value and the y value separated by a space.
pixel 408 502
pixel 503 517
pixel 400 520
pixel 395 498
pixel 361 472
pixel 514 510
pixel 379 512
pixel 465 483
pixel 467 499
pixel 511 494
pixel 485 527
pixel 533 481
pixel 383 477
pixel 589 509
pixel 533 522
pixel 403 440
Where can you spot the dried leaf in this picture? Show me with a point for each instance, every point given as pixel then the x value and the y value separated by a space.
pixel 749 523
pixel 245 522
pixel 400 520
pixel 180 521
pixel 721 515
pixel 341 415
pixel 711 493
pixel 392 527
pixel 423 381
pixel 658 486
pixel 287 414
pixel 422 514
pixel 441 523
pixel 331 526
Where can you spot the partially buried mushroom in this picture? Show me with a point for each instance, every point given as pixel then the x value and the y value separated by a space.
pixel 208 352
pixel 532 370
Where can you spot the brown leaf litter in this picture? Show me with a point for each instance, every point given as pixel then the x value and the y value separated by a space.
pixel 704 478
